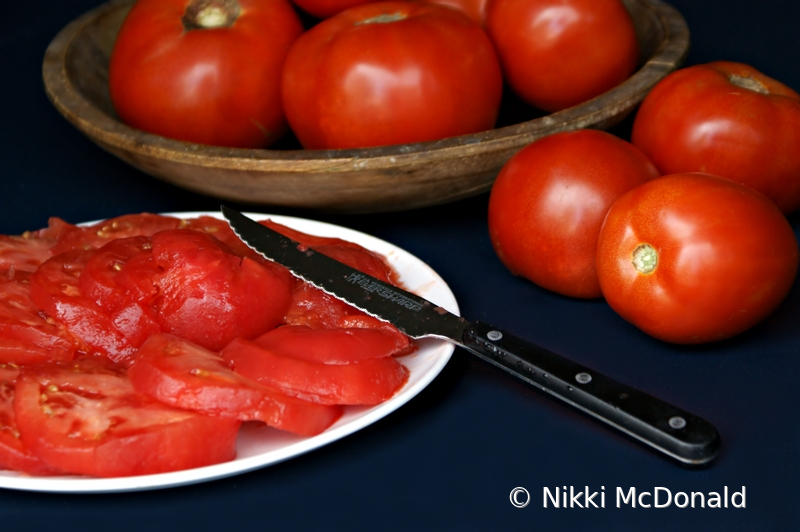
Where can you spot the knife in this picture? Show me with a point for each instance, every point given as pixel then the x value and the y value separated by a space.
pixel 667 428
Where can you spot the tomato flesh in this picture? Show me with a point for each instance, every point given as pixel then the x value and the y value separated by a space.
pixel 14 454
pixel 26 336
pixel 332 346
pixel 367 382
pixel 84 417
pixel 209 296
pixel 185 375
pixel 54 289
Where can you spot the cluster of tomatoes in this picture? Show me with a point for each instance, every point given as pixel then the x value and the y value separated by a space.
pixel 139 345
pixel 683 230
pixel 358 73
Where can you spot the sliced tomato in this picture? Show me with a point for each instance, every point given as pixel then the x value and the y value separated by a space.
pixel 119 279
pixel 368 382
pixel 316 309
pixel 54 289
pixel 333 346
pixel 185 375
pixel 84 417
pixel 27 337
pixel 98 234
pixel 14 454
pixel 99 279
pixel 349 253
pixel 210 296
pixel 221 230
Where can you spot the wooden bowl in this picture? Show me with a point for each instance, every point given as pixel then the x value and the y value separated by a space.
pixel 389 178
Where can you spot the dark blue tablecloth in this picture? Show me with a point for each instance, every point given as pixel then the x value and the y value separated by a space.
pixel 449 459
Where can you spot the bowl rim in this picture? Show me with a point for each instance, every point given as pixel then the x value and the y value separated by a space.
pixel 110 131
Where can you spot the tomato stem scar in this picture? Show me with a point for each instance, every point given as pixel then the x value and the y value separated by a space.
pixel 644 258
pixel 210 14
pixel 746 82
pixel 383 18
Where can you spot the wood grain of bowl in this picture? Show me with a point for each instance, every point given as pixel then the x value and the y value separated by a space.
pixel 391 178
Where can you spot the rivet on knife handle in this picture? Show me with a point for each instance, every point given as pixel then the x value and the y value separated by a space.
pixel 678 433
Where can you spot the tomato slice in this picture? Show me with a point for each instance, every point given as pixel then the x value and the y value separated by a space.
pixel 119 278
pixel 54 289
pixel 316 309
pixel 98 281
pixel 14 454
pixel 333 346
pixel 96 235
pixel 349 253
pixel 84 417
pixel 185 375
pixel 210 296
pixel 27 337
pixel 368 382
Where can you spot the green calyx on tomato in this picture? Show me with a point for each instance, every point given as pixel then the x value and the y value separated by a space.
pixel 645 258
pixel 210 14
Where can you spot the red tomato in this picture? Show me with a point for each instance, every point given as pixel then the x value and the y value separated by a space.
pixel 204 73
pixel 184 375
pixel 99 279
pixel 332 346
pixel 26 336
pixel 210 296
pixel 84 417
pixel 548 203
pixel 54 290
pixel 474 9
pixel 559 53
pixel 391 73
pixel 691 258
pixel 367 382
pixel 96 235
pixel 349 253
pixel 726 119
pixel 14 454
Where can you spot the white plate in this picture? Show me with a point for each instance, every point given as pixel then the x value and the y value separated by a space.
pixel 260 446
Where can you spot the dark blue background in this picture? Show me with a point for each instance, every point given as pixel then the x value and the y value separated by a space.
pixel 448 459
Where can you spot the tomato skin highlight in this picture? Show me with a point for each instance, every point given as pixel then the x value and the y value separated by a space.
pixel 726 258
pixel 391 73
pixel 368 382
pixel 559 53
pixel 548 203
pixel 84 417
pixel 218 86
pixel 702 119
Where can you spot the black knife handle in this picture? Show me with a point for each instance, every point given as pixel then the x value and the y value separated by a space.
pixel 674 431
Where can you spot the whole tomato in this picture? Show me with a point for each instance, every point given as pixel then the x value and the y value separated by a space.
pixel 559 53
pixel 548 203
pixel 726 119
pixel 693 258
pixel 204 71
pixel 391 73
